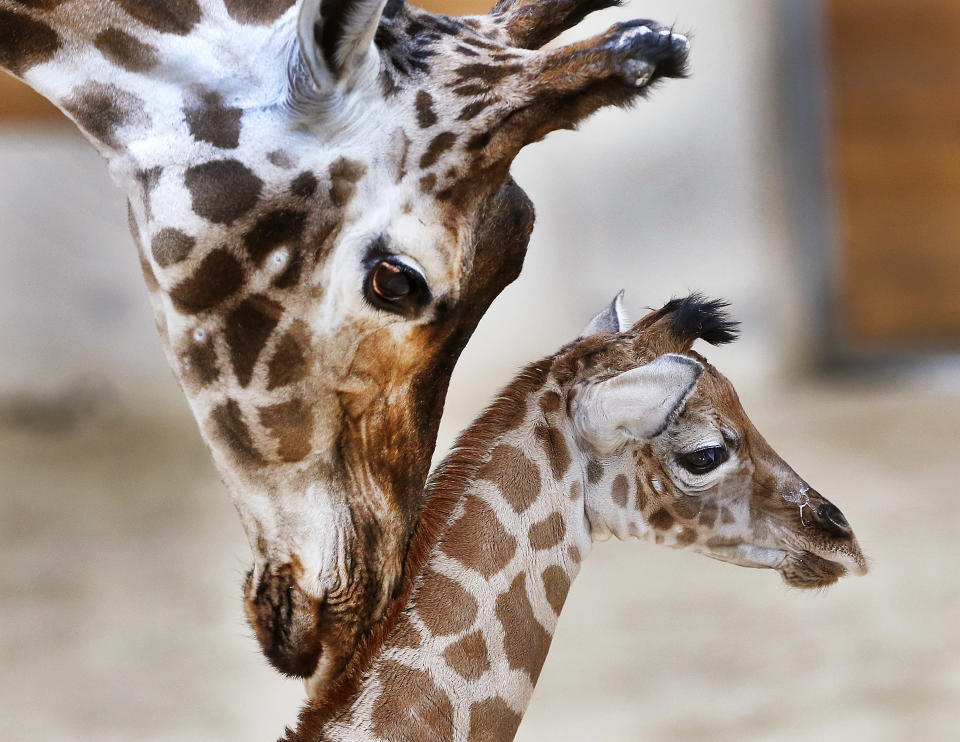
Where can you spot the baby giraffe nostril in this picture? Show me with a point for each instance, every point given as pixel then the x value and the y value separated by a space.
pixel 830 517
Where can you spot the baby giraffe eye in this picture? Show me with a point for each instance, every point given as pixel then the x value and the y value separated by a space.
pixel 395 287
pixel 703 459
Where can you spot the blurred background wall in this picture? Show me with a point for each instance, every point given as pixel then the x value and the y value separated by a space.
pixel 808 172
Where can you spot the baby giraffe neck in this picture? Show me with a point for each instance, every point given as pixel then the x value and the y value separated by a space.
pixel 465 653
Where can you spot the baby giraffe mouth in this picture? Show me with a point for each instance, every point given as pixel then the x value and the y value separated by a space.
pixel 801 568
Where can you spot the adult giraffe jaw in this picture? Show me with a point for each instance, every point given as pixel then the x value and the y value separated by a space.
pixel 321 199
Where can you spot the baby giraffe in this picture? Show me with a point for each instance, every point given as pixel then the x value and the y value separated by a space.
pixel 625 432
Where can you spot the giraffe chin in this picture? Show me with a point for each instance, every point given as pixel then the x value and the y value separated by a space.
pixel 807 570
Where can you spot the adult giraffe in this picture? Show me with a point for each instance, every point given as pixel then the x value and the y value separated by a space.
pixel 321 200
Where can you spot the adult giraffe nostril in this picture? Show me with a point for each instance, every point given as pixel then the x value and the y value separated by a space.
pixel 832 520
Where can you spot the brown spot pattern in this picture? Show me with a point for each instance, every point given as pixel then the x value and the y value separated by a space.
pixel 525 641
pixel 686 536
pixel 641 502
pixel 25 42
pixel 574 553
pixel 230 429
pixel 686 507
pixel 555 447
pixel 200 363
pixel 168 16
pixel 291 425
pixel 125 50
pixel 556 585
pixel 171 246
pixel 517 476
pixel 288 364
pixel 620 491
pixel 472 109
pixel 257 12
pixel 410 706
pixel 344 176
pixel 426 117
pixel 248 327
pixel 102 109
pixel 661 520
pixel 594 471
pixel 709 513
pixel 218 277
pixel 548 532
pixel 304 185
pixel 492 720
pixel 550 402
pixel 404 634
pixel 478 540
pixel 576 489
pixel 223 190
pixel 444 606
pixel 211 121
pixel 438 145
pixel 468 657
pixel 726 516
pixel 282 227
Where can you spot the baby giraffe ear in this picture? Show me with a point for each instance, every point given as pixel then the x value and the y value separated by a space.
pixel 612 319
pixel 636 405
pixel 335 36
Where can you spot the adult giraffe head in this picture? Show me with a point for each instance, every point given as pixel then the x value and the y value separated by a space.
pixel 321 197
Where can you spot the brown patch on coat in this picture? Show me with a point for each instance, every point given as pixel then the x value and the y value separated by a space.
pixel 548 532
pixel 574 554
pixel 471 110
pixel 555 447
pixel 209 120
pixel 687 507
pixel 517 476
pixel 101 110
pixel 257 12
pixel 280 159
pixel 25 42
pixel 248 327
pixel 478 540
pixel 576 490
pixel 218 277
pixel 344 176
pixel 525 641
pixel 468 657
pixel 428 182
pixel 426 116
pixel 289 363
pixel 223 190
pixel 125 50
pixel 556 585
pixel 170 246
pixel 291 425
pixel 726 516
pixel 443 605
pixel 438 145
pixel 273 230
pixel 168 16
pixel 686 536
pixel 230 429
pixel 550 402
pixel 594 471
pixel 410 706
pixel 405 634
pixel 492 720
pixel 198 363
pixel 661 520
pixel 641 502
pixel 708 513
pixel 620 491
pixel 304 185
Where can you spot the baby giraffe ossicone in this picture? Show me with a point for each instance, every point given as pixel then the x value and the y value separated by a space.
pixel 627 432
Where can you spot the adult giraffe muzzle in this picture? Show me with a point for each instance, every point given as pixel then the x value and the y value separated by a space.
pixel 321 197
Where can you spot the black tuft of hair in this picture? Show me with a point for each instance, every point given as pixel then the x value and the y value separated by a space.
pixel 696 316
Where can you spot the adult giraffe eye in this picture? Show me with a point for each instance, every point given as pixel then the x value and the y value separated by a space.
pixel 395 287
pixel 703 459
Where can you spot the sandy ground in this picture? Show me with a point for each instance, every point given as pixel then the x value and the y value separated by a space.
pixel 121 562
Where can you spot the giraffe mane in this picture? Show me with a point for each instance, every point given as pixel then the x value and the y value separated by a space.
pixel 443 491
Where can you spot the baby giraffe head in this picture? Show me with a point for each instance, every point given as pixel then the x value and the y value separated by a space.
pixel 673 457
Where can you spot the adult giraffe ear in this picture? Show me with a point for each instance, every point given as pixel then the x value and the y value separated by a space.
pixel 635 405
pixel 336 36
pixel 613 318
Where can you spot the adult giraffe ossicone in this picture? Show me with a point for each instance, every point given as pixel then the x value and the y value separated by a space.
pixel 625 432
pixel 321 197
